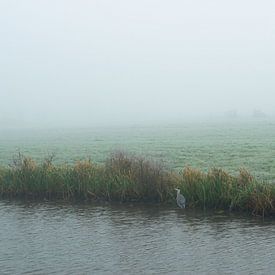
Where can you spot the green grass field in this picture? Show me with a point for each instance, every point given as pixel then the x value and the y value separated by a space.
pixel 228 145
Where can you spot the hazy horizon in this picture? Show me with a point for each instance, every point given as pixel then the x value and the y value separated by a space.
pixel 86 63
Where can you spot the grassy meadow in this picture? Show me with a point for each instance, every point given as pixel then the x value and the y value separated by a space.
pixel 227 145
pixel 209 162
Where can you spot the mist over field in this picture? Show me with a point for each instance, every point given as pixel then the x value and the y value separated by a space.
pixel 85 63
pixel 137 136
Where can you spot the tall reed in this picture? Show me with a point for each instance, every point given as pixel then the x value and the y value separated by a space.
pixel 129 178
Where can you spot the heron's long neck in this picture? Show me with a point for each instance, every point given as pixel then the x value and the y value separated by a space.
pixel 178 192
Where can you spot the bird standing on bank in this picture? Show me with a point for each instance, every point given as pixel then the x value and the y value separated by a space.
pixel 180 199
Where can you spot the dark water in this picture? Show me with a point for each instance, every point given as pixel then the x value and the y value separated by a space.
pixel 52 238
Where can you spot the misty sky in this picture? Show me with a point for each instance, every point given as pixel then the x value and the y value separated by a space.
pixel 82 62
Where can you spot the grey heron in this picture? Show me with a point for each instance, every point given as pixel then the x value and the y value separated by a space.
pixel 180 199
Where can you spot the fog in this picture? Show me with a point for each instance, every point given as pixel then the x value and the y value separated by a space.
pixel 82 63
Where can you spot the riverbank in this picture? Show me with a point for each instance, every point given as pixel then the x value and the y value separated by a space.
pixel 127 178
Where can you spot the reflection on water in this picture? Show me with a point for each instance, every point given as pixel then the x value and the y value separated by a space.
pixel 130 239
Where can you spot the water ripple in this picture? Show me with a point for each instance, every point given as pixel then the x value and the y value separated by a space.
pixel 124 239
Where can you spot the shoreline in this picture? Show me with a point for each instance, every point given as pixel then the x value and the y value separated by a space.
pixel 124 178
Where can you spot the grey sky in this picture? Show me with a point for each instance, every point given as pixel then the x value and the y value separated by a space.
pixel 87 62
